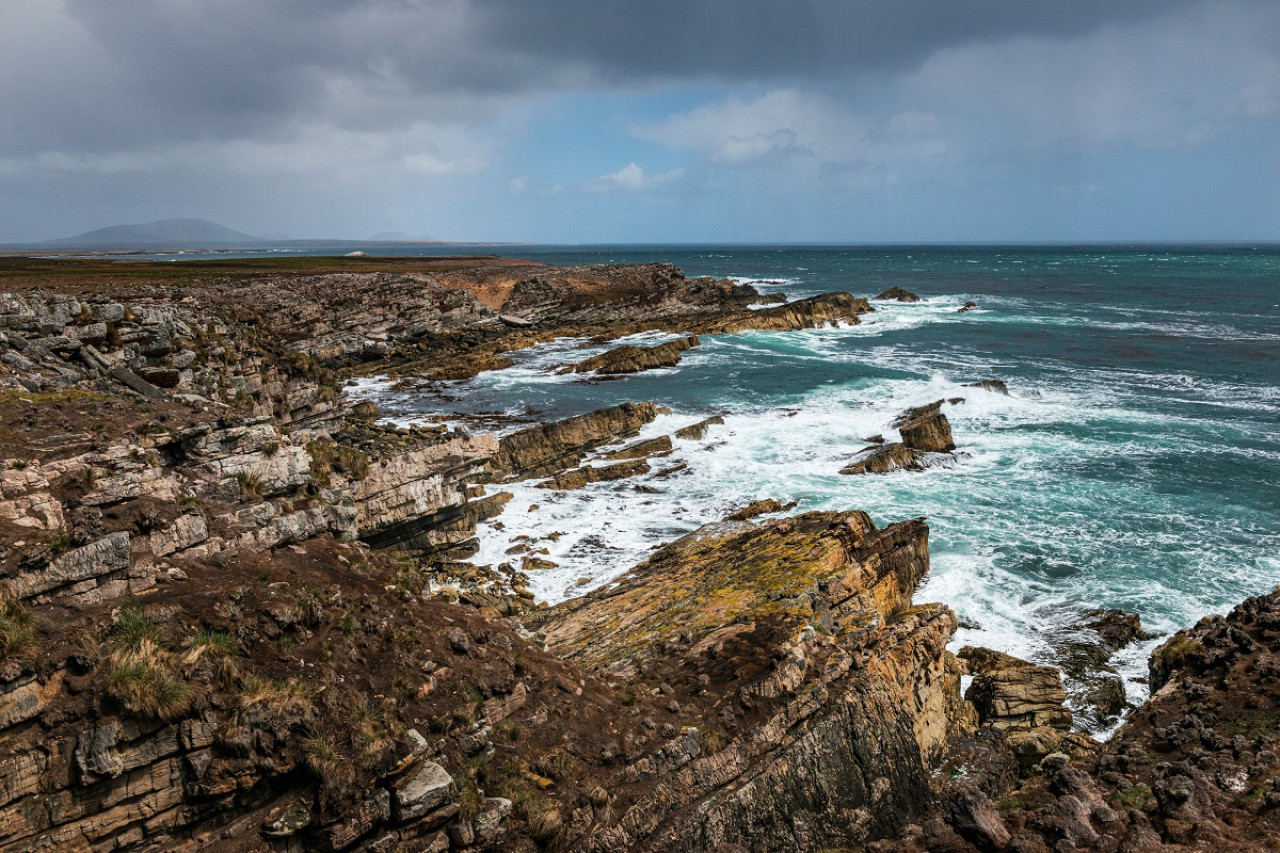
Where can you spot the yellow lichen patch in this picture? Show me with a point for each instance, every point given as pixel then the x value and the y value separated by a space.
pixel 727 578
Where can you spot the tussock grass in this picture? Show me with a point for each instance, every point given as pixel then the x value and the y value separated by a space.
pixel 143 678
pixel 324 759
pixel 274 701
pixel 250 484
pixel 329 456
pixel 17 633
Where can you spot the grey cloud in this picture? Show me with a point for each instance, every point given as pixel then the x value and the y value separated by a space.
pixel 730 40
pixel 165 71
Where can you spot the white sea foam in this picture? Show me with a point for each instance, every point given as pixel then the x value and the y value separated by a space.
pixel 1044 510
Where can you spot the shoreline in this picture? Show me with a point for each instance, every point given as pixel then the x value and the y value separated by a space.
pixel 175 454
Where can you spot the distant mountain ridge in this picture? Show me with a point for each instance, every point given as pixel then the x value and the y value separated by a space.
pixel 166 233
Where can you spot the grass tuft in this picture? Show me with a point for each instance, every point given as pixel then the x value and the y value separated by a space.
pixel 17 633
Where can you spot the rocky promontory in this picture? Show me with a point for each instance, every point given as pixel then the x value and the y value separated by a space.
pixel 233 615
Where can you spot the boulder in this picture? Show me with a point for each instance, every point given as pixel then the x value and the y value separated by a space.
pixel 422 791
pixel 887 458
pixel 930 433
pixel 1011 693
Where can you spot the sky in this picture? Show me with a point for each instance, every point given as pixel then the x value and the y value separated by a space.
pixel 589 121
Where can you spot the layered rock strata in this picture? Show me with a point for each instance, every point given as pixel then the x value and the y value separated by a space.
pixel 633 359
pixel 834 692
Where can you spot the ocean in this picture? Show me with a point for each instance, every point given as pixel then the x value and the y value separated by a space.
pixel 1135 463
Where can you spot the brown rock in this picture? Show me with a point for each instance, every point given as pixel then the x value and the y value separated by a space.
pixel 897 293
pixel 930 433
pixel 695 432
pixel 1008 695
pixel 542 450
pixel 633 359
pixel 579 477
pixel 650 447
pixel 887 458
pixel 764 507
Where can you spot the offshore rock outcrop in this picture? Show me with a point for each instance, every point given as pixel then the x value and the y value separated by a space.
pixel 632 359
pixel 828 309
pixel 898 294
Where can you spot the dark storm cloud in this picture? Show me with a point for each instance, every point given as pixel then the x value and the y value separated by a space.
pixel 155 71
pixel 731 40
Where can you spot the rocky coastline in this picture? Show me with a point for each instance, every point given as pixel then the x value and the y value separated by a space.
pixel 233 615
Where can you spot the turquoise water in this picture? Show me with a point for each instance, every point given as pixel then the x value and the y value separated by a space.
pixel 1135 463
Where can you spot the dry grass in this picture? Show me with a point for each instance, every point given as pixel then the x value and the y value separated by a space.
pixel 144 679
pixel 274 701
pixel 328 457
pixel 17 633
pixel 218 647
pixel 324 759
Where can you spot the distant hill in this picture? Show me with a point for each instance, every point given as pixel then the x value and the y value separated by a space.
pixel 400 237
pixel 165 233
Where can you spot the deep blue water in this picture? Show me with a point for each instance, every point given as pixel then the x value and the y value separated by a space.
pixel 1136 463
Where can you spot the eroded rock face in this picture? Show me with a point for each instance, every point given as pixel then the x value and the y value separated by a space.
pixel 808 622
pixel 543 450
pixel 1192 769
